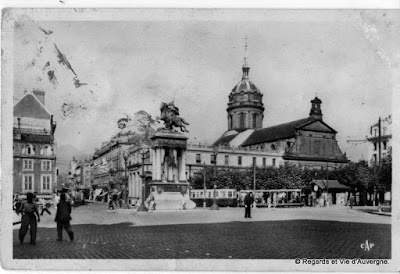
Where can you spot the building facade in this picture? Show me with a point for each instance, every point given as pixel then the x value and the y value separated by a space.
pixel 109 165
pixel 380 141
pixel 34 147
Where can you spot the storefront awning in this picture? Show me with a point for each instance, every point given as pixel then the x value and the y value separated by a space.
pixel 97 192
pixel 331 184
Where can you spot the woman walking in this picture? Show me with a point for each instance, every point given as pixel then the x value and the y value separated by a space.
pixel 29 211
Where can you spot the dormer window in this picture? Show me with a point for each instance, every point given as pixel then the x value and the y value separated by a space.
pixel 28 149
pixel 46 150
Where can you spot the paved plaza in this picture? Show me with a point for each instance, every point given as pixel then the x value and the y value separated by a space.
pixel 285 233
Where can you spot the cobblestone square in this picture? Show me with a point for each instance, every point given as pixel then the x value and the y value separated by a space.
pixel 202 234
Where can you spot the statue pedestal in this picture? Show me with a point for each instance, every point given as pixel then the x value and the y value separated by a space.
pixel 171 196
pixel 169 187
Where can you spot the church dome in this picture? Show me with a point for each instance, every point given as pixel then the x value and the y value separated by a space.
pixel 245 107
pixel 246 86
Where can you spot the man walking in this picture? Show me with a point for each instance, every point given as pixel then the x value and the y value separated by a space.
pixel 29 210
pixel 63 216
pixel 248 201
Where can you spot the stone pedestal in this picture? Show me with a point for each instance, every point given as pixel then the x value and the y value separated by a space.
pixel 169 187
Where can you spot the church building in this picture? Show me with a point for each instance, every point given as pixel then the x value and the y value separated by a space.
pixel 307 142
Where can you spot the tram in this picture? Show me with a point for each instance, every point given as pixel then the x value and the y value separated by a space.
pixel 274 197
pixel 223 197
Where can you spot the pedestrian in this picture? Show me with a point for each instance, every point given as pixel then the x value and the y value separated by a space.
pixel 110 205
pixel 151 202
pixel 45 206
pixel 248 201
pixel 351 200
pixel 18 206
pixel 63 218
pixel 29 211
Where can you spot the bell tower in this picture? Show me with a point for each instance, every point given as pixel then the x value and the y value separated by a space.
pixel 315 111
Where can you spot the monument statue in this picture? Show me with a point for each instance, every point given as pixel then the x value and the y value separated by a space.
pixel 170 116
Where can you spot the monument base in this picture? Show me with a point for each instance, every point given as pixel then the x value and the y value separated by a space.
pixel 171 196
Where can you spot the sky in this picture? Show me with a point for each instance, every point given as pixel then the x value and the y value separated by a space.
pixel 348 58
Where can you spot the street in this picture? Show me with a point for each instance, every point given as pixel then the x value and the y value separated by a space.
pixel 287 233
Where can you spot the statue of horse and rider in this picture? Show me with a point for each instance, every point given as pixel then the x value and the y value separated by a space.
pixel 170 116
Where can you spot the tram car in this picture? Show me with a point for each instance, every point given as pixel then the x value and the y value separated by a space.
pixel 273 197
pixel 223 197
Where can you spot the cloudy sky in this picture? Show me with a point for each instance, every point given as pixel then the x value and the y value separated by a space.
pixel 347 58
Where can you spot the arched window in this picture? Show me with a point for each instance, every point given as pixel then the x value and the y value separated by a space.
pixel 255 120
pixel 273 147
pixel 230 121
pixel 242 119
pixel 28 149
pixel 46 150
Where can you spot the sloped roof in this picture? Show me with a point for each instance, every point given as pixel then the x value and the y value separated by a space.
pixel 224 140
pixel 30 106
pixel 331 184
pixel 270 134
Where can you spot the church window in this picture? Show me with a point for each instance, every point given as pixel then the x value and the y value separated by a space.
pixel 226 160
pixel 230 121
pixel 273 161
pixel 242 118
pixel 255 120
pixel 317 147
pixel 273 147
pixel 288 144
pixel 384 145
pixel 254 161
pixel 264 161
pixel 375 146
pixel 239 160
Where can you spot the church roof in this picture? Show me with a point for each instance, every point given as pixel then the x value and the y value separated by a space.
pixel 278 132
pixel 228 136
pixel 245 85
pixel 30 106
pixel 224 140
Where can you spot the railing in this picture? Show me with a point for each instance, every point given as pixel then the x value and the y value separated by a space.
pixel 220 148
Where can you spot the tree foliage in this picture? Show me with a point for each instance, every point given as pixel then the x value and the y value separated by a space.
pixel 356 175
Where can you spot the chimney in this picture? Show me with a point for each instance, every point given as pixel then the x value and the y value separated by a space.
pixel 39 94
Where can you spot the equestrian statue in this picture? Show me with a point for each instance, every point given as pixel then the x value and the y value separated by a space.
pixel 170 116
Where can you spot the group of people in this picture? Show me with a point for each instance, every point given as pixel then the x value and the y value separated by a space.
pixel 30 217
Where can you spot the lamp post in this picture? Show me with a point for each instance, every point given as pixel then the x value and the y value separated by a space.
pixel 327 185
pixel 204 173
pixel 142 207
pixel 254 184
pixel 214 205
pixel 125 205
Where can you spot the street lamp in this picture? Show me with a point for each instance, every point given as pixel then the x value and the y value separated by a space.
pixel 125 205
pixel 214 205
pixel 204 173
pixel 142 207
